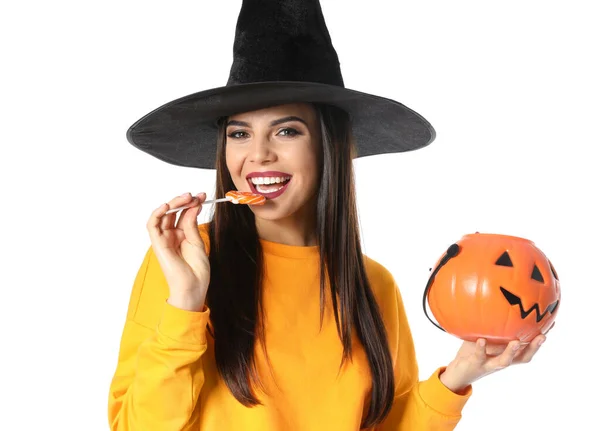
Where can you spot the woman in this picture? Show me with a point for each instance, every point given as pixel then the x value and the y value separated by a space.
pixel 272 355
pixel 270 317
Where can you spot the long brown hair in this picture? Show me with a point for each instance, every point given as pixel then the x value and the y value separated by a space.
pixel 236 305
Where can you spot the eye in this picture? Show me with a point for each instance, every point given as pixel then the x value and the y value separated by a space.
pixel 504 260
pixel 536 274
pixel 238 134
pixel 288 131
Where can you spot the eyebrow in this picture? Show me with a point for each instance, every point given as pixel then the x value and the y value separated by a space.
pixel 273 123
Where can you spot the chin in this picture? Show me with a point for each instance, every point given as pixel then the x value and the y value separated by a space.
pixel 270 212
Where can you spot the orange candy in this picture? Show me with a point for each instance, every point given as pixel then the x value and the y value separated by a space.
pixel 247 198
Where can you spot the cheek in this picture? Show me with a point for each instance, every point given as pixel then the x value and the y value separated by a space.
pixel 233 160
pixel 307 161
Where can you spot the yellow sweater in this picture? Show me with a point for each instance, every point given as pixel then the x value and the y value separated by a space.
pixel 166 377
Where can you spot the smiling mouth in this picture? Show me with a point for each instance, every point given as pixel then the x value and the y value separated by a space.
pixel 270 187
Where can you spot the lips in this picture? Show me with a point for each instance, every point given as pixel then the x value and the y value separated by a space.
pixel 265 174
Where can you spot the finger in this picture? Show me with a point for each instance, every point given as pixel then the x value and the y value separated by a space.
pixel 495 349
pixel 189 222
pixel 191 208
pixel 153 224
pixel 506 358
pixel 531 350
pixel 168 221
pixel 480 350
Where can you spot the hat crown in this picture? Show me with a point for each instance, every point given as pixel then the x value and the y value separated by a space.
pixel 283 40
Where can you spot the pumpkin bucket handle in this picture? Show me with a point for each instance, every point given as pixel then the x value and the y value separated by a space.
pixel 452 251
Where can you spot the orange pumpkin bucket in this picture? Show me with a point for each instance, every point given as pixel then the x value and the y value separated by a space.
pixel 492 286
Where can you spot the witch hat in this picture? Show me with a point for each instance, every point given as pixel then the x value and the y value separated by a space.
pixel 282 53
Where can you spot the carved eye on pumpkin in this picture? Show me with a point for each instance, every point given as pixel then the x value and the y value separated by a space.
pixel 536 274
pixel 504 260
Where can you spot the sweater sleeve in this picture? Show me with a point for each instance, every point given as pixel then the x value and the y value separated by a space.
pixel 418 405
pixel 159 371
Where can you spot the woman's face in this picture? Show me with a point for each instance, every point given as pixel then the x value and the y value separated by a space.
pixel 276 152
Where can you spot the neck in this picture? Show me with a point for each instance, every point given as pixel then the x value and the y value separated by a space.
pixel 296 230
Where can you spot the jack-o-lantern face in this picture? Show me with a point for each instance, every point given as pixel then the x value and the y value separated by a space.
pixel 497 287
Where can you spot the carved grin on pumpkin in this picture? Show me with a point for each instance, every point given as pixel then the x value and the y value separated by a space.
pixel 513 299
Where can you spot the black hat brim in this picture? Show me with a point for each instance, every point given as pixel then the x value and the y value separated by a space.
pixel 184 132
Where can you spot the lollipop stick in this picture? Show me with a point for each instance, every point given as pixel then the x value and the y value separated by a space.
pixel 214 201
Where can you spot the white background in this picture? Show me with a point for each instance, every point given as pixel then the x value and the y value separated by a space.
pixel 511 88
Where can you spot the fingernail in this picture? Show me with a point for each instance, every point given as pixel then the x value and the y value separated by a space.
pixel 185 194
pixel 516 346
pixel 541 341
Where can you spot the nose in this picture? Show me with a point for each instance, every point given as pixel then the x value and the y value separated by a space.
pixel 261 150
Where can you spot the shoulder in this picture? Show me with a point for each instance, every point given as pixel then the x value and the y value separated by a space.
pixel 385 289
pixel 381 279
pixel 377 273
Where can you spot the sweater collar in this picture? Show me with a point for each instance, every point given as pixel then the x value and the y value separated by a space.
pixel 292 251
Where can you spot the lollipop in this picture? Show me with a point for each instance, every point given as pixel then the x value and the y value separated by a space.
pixel 247 198
pixel 233 196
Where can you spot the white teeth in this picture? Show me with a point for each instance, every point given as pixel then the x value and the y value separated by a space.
pixel 268 180
pixel 261 189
